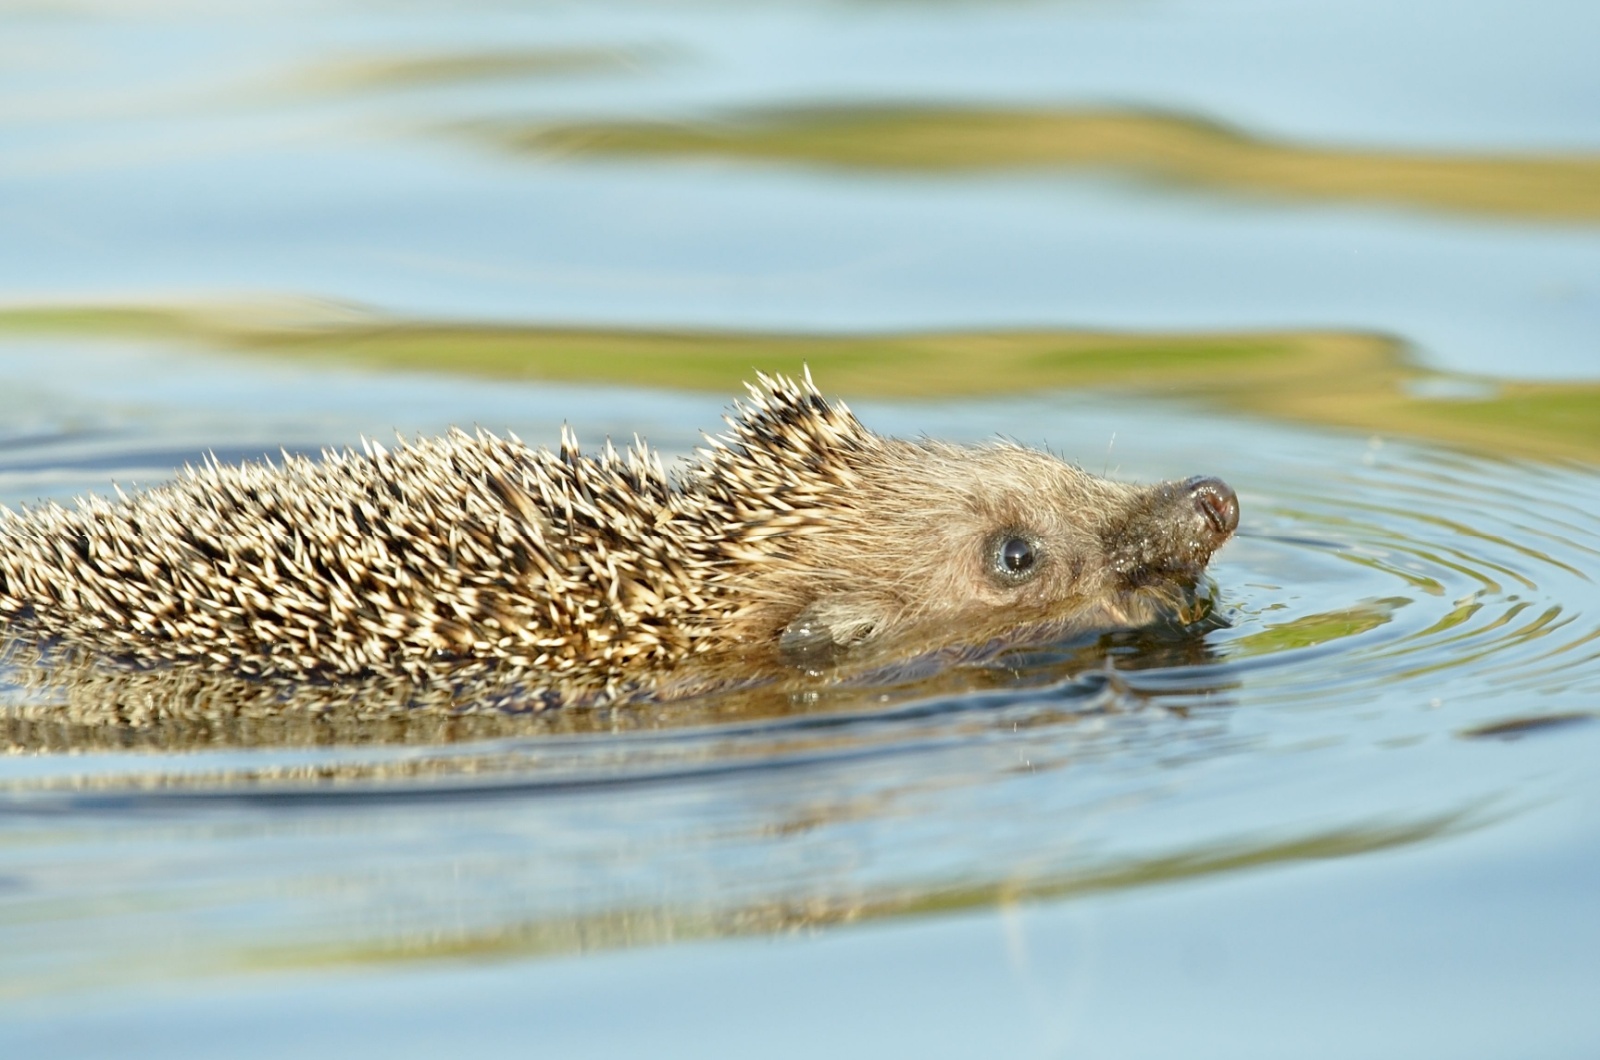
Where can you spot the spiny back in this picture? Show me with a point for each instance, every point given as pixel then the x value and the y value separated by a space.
pixel 792 540
pixel 465 552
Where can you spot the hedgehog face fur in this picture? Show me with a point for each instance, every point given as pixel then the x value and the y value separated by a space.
pixel 924 542
pixel 799 539
pixel 980 542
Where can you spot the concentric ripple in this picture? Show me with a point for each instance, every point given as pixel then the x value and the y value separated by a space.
pixel 1462 577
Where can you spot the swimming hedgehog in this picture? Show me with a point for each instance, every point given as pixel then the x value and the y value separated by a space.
pixel 798 539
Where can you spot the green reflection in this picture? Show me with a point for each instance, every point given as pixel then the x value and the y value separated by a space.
pixel 1351 380
pixel 1154 145
pixel 1308 631
pixel 377 72
pixel 628 928
pixel 557 933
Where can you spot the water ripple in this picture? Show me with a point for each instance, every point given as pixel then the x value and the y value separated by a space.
pixel 1467 572
pixel 1379 628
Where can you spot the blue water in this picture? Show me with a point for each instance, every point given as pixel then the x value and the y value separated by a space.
pixel 162 153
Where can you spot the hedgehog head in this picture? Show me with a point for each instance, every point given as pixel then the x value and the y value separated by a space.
pixel 872 544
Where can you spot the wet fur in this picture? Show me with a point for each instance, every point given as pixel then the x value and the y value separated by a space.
pixel 795 540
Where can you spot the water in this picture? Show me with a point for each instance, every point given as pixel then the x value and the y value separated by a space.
pixel 1359 819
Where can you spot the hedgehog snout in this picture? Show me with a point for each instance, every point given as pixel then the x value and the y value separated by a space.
pixel 1173 535
pixel 1217 505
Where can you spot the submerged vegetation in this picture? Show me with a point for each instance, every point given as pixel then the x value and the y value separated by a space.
pixel 1331 378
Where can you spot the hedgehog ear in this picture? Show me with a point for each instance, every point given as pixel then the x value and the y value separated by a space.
pixel 828 628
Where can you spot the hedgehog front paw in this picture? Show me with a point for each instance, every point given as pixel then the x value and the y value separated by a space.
pixel 825 630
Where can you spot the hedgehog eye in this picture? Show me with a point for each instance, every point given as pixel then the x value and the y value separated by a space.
pixel 1016 555
pixel 1015 558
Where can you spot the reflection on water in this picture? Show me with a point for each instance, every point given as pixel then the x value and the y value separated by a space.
pixel 308 152
pixel 1340 379
pixel 64 701
pixel 1155 146
pixel 352 73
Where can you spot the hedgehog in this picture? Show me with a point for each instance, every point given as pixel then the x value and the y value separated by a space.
pixel 796 541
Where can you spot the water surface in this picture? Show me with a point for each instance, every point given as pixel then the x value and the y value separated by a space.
pixel 1357 815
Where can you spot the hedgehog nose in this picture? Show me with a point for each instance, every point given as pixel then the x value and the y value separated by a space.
pixel 1215 500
